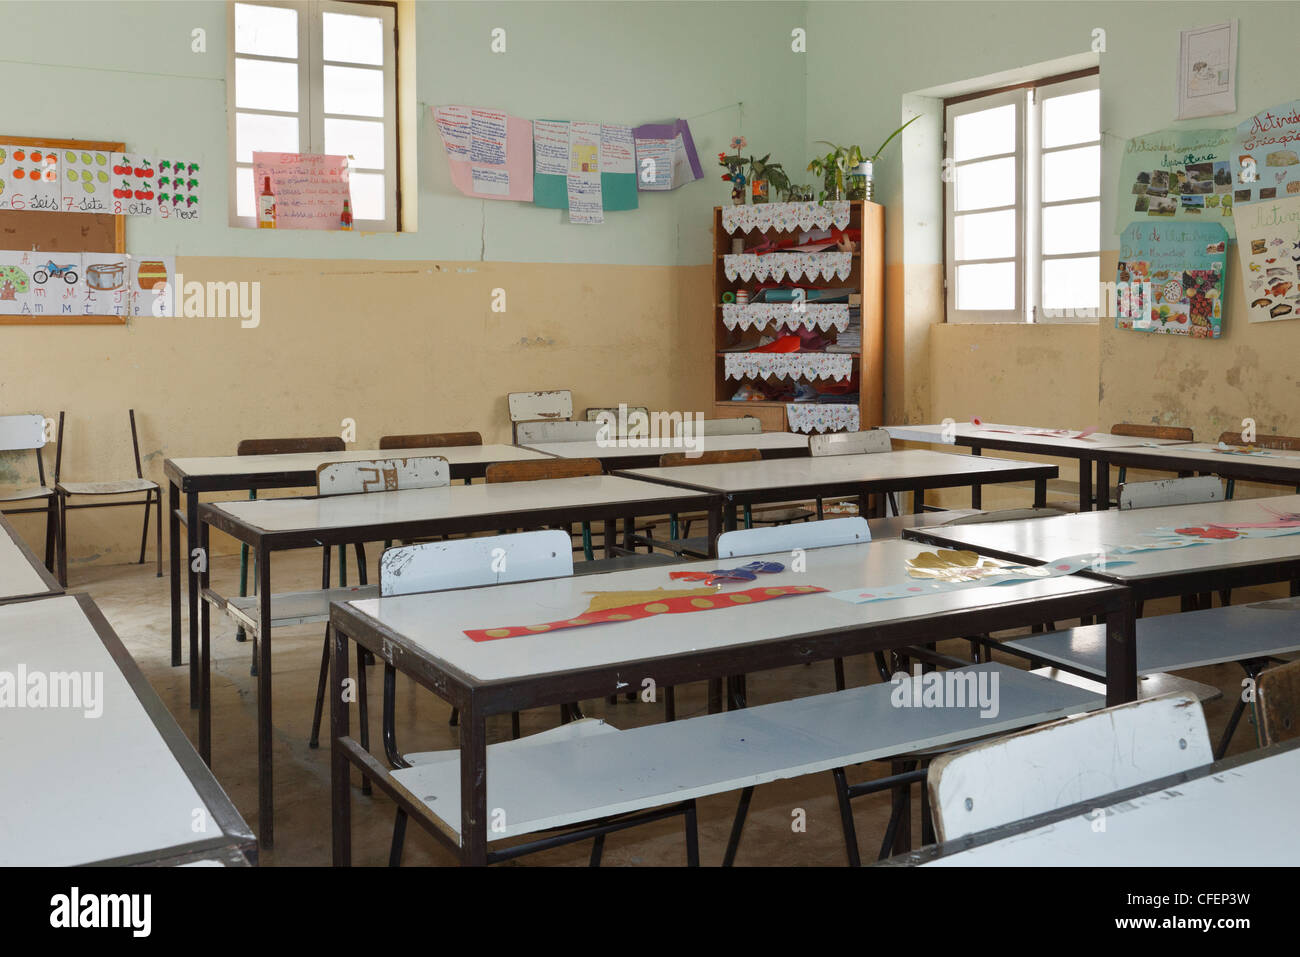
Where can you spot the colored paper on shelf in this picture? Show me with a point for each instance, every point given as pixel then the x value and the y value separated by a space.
pixel 152 285
pixel 489 152
pixel 1266 155
pixel 86 181
pixel 177 187
pixel 310 189
pixel 665 156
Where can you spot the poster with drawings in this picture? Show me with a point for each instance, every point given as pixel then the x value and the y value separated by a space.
pixel 56 282
pixel 1266 155
pixel 15 284
pixel 29 178
pixel 1268 245
pixel 151 285
pixel 134 185
pixel 86 182
pixel 177 189
pixel 104 287
pixel 1181 267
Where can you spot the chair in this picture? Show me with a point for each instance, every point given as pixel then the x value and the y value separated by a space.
pixel 740 425
pixel 1177 491
pixel 1277 703
pixel 431 440
pixel 553 406
pixel 358 478
pixel 866 442
pixel 26 433
pixel 152 496
pixel 630 411
pixel 697 547
pixel 1175 433
pixel 1281 443
pixel 529 433
pixel 1066 763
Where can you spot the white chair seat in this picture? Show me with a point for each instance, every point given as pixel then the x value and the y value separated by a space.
pixel 584 728
pixel 25 494
pixel 107 488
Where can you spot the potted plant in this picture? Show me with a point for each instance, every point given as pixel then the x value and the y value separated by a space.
pixel 766 178
pixel 846 172
pixel 735 164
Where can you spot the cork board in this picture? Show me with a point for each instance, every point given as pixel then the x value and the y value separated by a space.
pixel 49 231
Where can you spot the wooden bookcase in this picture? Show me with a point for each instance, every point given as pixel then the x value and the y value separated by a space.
pixel 866 278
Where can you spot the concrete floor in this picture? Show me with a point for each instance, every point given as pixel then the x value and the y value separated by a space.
pixel 136 604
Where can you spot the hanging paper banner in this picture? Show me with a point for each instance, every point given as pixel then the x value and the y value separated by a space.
pixel 1176 174
pixel 1171 278
pixel 586 202
pixel 666 156
pixel 1266 155
pixel 489 152
pixel 1268 246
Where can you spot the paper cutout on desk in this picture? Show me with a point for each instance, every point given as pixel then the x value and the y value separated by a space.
pixel 942 574
pixel 1045 433
pixel 490 153
pixel 605 600
pixel 666 606
pixel 746 573
pixel 309 188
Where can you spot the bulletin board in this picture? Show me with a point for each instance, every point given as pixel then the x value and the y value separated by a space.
pixel 50 231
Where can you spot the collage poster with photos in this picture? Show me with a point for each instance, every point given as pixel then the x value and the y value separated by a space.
pixel 1185 264
pixel 1266 155
pixel 1177 175
pixel 1268 241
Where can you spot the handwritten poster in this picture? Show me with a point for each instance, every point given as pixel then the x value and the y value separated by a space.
pixel 1266 155
pixel 1178 175
pixel 618 169
pixel 490 153
pixel 585 199
pixel 1268 245
pixel 1182 265
pixel 309 188
pixel 666 156
pixel 1207 71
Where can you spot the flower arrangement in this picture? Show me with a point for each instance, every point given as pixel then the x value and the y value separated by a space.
pixel 735 166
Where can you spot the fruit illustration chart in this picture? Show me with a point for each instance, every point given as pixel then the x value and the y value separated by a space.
pixel 133 182
pixel 30 172
pixel 1185 263
pixel 85 175
pixel 74 180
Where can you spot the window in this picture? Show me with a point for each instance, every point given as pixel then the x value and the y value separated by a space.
pixel 315 76
pixel 1022 202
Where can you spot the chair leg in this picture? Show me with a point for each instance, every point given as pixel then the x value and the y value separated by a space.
pixel 314 742
pixel 144 535
pixel 737 826
pixel 846 817
pixel 51 532
pixel 597 848
pixel 399 839
pixel 158 535
pixel 63 542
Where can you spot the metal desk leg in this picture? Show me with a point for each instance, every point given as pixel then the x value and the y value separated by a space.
pixel 265 794
pixel 611 537
pixel 715 529
pixel 1040 493
pixel 1103 484
pixel 728 516
pixel 629 528
pixel 1121 655
pixel 202 667
pixel 174 568
pixel 918 501
pixel 192 583
pixel 977 496
pixel 340 769
pixel 473 786
pixel 1085 483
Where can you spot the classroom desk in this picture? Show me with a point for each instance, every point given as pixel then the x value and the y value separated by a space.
pixel 121 788
pixel 423 636
pixel 270 525
pixel 22 575
pixel 828 476
pixel 1277 467
pixel 771 445
pixel 231 473
pixel 1196 569
pixel 1239 812
pixel 1013 438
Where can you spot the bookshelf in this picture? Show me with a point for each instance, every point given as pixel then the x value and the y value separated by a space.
pixel 860 273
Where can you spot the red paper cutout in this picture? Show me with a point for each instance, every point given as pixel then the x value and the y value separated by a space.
pixel 1212 532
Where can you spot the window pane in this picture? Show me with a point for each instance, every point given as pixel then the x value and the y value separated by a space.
pixel 1072 229
pixel 244 202
pixel 270 31
pixel 985 133
pixel 1074 118
pixel 988 286
pixel 353 90
pixel 353 39
pixel 362 140
pixel 1072 174
pixel 1071 283
pixel 266 85
pixel 367 195
pixel 992 183
pixel 985 235
pixel 265 134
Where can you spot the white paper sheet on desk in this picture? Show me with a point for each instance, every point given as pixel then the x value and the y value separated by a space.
pixel 1012 574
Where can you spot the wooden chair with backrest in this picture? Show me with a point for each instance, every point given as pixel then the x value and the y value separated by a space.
pixel 1280 443
pixel 359 478
pixel 686 546
pixel 553 406
pixel 431 440
pixel 1065 763
pixel 1277 703
pixel 152 496
pixel 26 433
pixel 1175 433
pixel 540 469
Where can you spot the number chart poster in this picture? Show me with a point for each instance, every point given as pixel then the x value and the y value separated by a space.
pixel 1268 244
pixel 1266 155
pixel 1178 175
pixel 1185 264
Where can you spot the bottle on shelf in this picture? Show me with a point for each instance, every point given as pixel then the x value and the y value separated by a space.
pixel 345 220
pixel 266 206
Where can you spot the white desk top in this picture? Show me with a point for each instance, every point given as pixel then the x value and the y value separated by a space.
pixel 18 577
pixel 450 501
pixel 707 443
pixel 1213 821
pixel 1043 539
pixel 436 621
pixel 1283 461
pixel 990 431
pixel 905 465
pixel 77 789
pixel 308 461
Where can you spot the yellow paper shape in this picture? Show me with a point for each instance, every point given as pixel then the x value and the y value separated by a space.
pixel 604 600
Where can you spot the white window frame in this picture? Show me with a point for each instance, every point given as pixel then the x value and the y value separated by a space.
pixel 311 114
pixel 1028 207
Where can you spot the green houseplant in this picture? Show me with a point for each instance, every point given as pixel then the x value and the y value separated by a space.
pixel 846 172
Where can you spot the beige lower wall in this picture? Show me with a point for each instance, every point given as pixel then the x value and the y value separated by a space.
pixel 397 346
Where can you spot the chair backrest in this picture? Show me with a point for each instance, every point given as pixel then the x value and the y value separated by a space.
pixel 1277 693
pixel 1175 491
pixel 557 431
pixel 315 443
pixel 784 538
pixel 382 475
pixel 851 443
pixel 22 433
pixel 714 457
pixel 1283 443
pixel 1066 762
pixel 631 411
pixel 740 425
pixel 1175 432
pixel 430 440
pixel 1005 515
pixel 468 562
pixel 538 469
pixel 531 406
